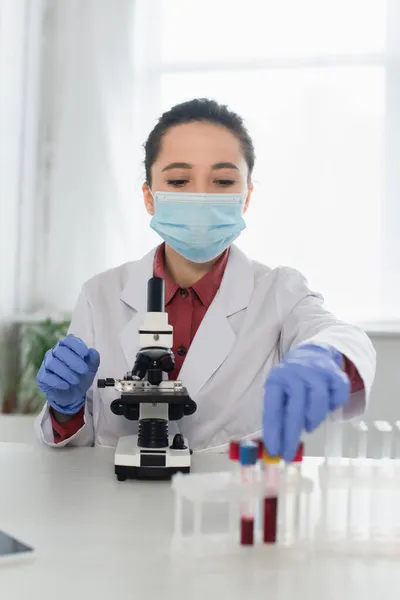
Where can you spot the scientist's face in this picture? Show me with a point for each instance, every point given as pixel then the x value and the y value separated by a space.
pixel 199 157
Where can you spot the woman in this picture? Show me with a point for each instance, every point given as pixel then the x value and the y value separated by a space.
pixel 254 346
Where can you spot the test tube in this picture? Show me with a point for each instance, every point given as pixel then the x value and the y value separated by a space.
pixel 260 444
pixel 248 459
pixel 258 523
pixel 298 459
pixel 381 493
pixel 334 486
pixel 292 498
pixel 359 505
pixel 334 435
pixel 358 497
pixel 297 463
pixel 396 444
pixel 396 466
pixel 359 439
pixel 234 455
pixel 234 450
pixel 396 493
pixel 271 479
pixel 384 439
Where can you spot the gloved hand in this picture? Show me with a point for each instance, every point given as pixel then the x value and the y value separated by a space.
pixel 66 374
pixel 299 393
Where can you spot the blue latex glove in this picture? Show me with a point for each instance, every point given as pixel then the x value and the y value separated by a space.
pixel 66 374
pixel 299 393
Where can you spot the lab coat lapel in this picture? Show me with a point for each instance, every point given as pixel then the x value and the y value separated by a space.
pixel 215 337
pixel 134 295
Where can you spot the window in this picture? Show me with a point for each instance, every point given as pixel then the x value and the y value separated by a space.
pixel 318 83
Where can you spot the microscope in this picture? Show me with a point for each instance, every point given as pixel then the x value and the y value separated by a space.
pixel 147 396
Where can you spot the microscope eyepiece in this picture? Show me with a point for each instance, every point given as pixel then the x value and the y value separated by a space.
pixel 155 295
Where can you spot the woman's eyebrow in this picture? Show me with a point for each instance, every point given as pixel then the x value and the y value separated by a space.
pixel 177 165
pixel 224 165
pixel 215 167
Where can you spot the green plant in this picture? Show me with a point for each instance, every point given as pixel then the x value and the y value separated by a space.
pixel 33 341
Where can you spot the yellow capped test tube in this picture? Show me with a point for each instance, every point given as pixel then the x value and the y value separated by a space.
pixel 271 475
pixel 270 460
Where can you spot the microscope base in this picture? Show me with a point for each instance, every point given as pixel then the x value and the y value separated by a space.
pixel 124 473
pixel 134 462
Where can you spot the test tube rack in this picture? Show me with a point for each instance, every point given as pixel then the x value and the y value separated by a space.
pixel 359 508
pixel 225 489
pixel 349 506
pixel 338 504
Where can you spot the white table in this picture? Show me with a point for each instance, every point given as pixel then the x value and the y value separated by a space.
pixel 99 539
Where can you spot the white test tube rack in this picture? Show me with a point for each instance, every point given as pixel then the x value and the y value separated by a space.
pixel 356 508
pixel 360 507
pixel 360 496
pixel 200 489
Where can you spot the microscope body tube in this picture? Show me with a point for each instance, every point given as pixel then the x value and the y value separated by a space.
pixel 155 331
pixel 155 295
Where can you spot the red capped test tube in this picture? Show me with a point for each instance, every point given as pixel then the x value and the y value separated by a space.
pixel 299 454
pixel 260 444
pixel 234 450
pixel 248 459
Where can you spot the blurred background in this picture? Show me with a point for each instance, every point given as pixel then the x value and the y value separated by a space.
pixel 82 84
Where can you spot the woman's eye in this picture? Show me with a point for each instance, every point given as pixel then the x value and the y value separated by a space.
pixel 225 182
pixel 177 182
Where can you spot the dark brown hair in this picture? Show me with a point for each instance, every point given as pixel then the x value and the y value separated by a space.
pixel 203 110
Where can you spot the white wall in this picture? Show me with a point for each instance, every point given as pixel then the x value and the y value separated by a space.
pixel 385 398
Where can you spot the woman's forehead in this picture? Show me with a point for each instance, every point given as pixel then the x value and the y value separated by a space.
pixel 195 142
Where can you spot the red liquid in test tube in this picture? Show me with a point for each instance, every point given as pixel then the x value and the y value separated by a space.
pixel 246 531
pixel 270 520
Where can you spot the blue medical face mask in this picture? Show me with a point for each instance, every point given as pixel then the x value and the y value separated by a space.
pixel 198 226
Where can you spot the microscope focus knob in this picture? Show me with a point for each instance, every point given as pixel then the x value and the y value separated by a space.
pixel 178 442
pixel 108 382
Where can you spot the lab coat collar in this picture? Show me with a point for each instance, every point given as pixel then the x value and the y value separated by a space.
pixel 134 293
pixel 215 336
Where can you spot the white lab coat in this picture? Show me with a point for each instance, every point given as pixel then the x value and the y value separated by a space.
pixel 257 315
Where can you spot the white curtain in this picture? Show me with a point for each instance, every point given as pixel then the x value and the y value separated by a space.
pixel 319 86
pixel 20 64
pixel 91 204
pixel 20 56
